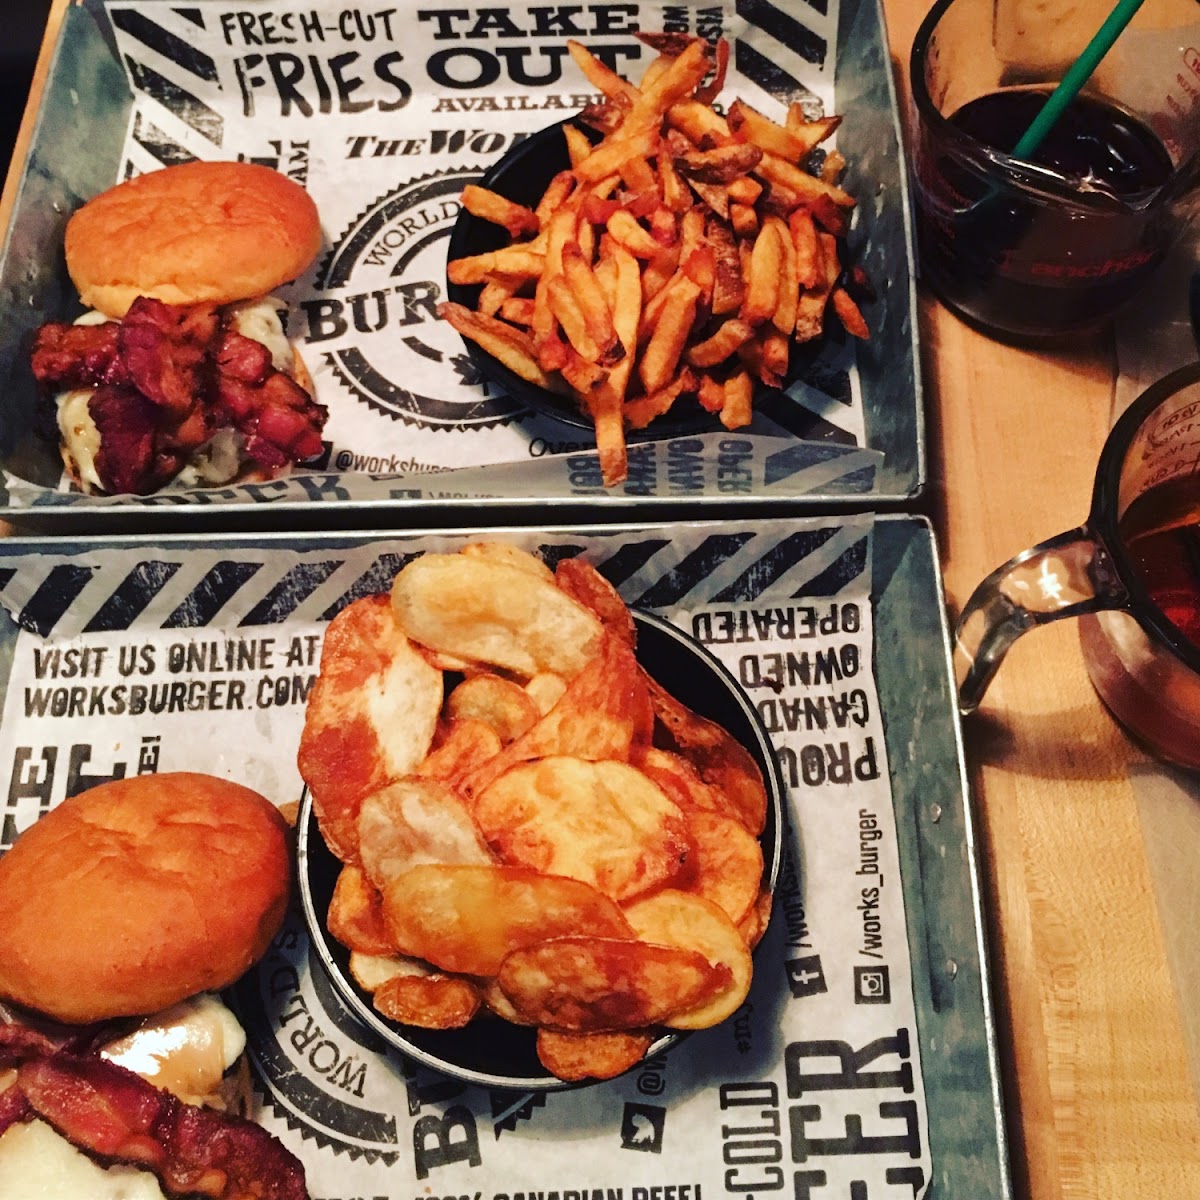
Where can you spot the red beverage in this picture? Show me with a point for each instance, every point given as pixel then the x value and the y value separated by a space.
pixel 1037 253
pixel 1151 692
pixel 1161 532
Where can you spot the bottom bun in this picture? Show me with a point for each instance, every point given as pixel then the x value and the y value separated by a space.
pixel 138 893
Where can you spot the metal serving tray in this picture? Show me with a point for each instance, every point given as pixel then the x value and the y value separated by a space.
pixel 84 115
pixel 114 579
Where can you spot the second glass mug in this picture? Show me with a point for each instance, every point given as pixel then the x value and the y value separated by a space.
pixel 1131 572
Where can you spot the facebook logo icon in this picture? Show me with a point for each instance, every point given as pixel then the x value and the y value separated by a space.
pixel 806 976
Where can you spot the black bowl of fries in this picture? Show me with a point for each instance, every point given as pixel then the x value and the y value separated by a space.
pixel 493 1052
pixel 526 176
pixel 654 264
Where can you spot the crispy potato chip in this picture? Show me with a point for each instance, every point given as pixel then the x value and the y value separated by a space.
pixel 497 702
pixel 582 582
pixel 602 822
pixel 494 613
pixel 370 717
pixel 355 914
pixel 673 918
pixel 466 919
pixel 603 713
pixel 726 865
pixel 584 984
pixel 579 1056
pixel 680 780
pixel 754 924
pixel 461 747
pixel 546 690
pixel 428 1001
pixel 718 757
pixel 510 555
pixel 371 971
pixel 413 822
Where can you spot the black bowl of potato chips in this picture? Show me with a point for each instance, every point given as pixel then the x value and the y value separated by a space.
pixel 701 850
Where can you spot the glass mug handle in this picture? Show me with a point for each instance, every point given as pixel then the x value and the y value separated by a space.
pixel 1066 576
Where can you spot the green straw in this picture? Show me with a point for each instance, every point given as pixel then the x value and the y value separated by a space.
pixel 1079 73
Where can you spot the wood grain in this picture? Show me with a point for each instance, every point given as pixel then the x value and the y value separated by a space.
pixel 1099 1095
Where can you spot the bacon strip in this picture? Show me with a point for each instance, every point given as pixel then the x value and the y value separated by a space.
pixel 168 378
pixel 116 1116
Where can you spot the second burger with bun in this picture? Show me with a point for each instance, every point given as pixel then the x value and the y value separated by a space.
pixel 126 908
pixel 181 368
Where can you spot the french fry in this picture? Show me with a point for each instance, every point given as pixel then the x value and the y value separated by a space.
pixel 632 236
pixel 553 198
pixel 744 220
pixel 511 347
pixel 793 143
pixel 809 267
pixel 698 121
pixel 491 206
pixel 517 309
pixel 744 190
pixel 784 317
pixel 590 298
pixel 511 261
pixel 667 341
pixel 762 277
pixel 777 170
pixel 602 78
pixel 721 165
pixel 849 314
pixel 569 314
pixel 739 390
pixel 640 412
pixel 717 348
pixel 810 312
pixel 612 154
pixel 578 144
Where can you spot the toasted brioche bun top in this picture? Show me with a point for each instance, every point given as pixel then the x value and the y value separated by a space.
pixel 138 893
pixel 196 233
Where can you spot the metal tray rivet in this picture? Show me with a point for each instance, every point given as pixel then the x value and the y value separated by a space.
pixel 935 813
pixel 951 968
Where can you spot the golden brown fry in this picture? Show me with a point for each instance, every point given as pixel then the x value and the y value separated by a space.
pixel 717 348
pixel 711 395
pixel 762 277
pixel 729 289
pixel 744 220
pixel 850 314
pixel 614 152
pixel 667 341
pixel 674 191
pixel 721 165
pixel 810 312
pixel 639 176
pixel 777 170
pixel 555 195
pixel 517 309
pixel 784 317
pixel 681 77
pixel 749 125
pixel 739 392
pixel 625 229
pixel 640 412
pixel 512 347
pixel 491 206
pixel 833 166
pixel 601 77
pixel 496 293
pixel 744 190
pixel 578 144
pixel 698 122
pixel 809 267
pixel 568 313
pixel 511 260
pixel 591 301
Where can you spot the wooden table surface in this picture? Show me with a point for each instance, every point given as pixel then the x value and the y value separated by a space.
pixel 1099 1096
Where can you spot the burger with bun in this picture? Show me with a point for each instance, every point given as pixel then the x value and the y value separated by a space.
pixel 180 368
pixel 126 909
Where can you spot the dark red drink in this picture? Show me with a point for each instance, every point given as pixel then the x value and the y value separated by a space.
pixel 1040 252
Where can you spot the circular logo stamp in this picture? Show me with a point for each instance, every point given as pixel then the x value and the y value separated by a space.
pixel 373 313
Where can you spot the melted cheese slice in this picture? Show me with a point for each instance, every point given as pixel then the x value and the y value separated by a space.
pixel 186 1048
pixel 37 1164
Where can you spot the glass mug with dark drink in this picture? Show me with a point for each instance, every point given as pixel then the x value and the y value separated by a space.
pixel 1131 572
pixel 1041 249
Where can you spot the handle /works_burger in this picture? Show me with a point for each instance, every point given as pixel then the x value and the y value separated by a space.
pixel 181 368
pixel 125 909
